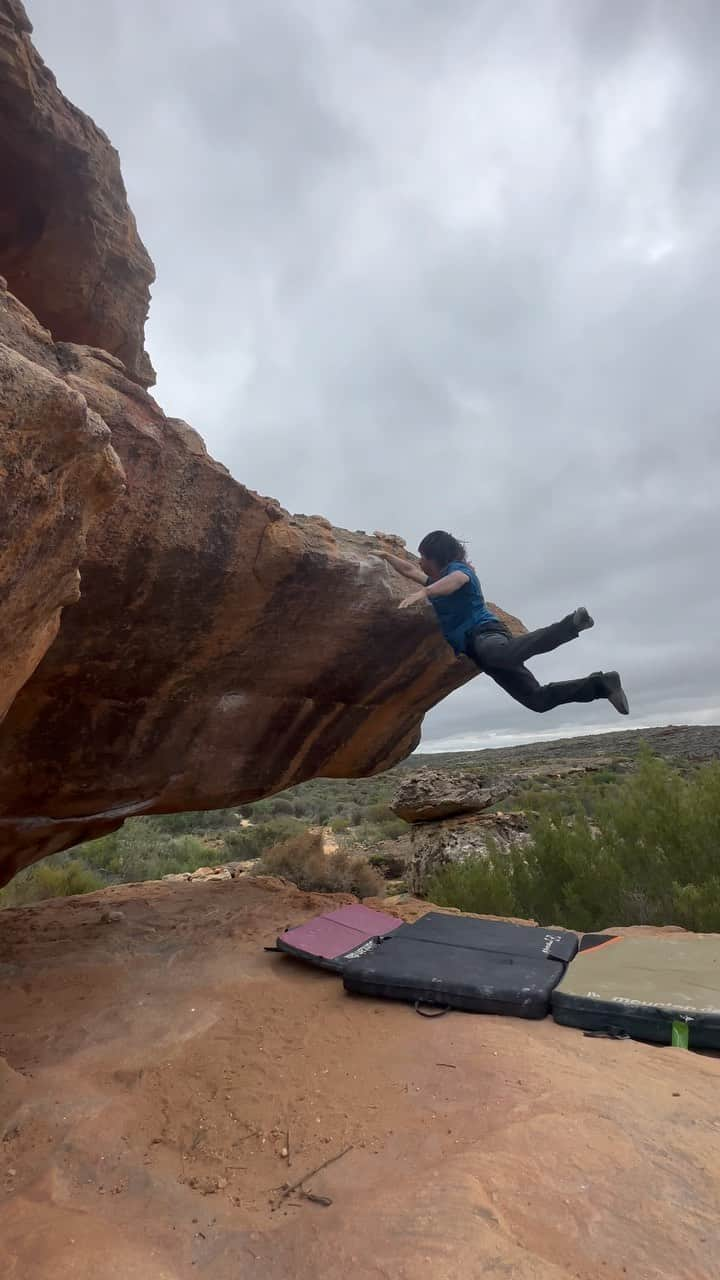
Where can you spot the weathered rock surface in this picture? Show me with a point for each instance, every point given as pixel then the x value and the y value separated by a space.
pixel 57 471
pixel 221 649
pixel 69 246
pixel 155 1067
pixel 450 822
pixel 436 844
pixel 198 668
pixel 434 793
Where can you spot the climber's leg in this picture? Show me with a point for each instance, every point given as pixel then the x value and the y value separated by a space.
pixel 498 648
pixel 524 688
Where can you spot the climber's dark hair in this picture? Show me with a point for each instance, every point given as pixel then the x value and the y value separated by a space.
pixel 442 548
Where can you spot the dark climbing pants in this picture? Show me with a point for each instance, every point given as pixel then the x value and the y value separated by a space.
pixel 502 656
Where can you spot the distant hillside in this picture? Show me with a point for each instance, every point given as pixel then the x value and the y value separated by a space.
pixel 693 744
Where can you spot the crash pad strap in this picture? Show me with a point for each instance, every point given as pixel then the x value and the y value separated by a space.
pixel 431 1010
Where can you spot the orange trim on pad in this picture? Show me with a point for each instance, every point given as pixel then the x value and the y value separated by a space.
pixel 599 945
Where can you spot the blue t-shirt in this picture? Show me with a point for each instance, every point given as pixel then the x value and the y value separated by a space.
pixel 464 609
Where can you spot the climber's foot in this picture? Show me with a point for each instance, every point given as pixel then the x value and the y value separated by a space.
pixel 582 620
pixel 615 693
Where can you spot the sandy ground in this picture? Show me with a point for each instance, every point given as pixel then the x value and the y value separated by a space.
pixel 156 1067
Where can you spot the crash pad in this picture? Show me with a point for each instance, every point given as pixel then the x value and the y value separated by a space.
pixel 333 938
pixel 460 962
pixel 639 985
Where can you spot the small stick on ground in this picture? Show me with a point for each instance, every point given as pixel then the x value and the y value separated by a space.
pixel 325 1201
pixel 451 1065
pixel 298 1186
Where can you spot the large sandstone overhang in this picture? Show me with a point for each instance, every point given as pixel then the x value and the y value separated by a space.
pixel 216 649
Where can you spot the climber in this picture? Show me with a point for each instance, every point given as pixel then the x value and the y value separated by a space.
pixel 449 582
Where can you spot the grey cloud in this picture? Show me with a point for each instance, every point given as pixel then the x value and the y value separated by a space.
pixel 452 265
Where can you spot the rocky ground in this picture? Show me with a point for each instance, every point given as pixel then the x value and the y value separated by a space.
pixel 163 1077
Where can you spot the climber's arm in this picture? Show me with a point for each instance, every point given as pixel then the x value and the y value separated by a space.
pixel 443 587
pixel 405 567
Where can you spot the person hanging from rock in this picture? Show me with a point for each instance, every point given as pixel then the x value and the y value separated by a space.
pixel 450 584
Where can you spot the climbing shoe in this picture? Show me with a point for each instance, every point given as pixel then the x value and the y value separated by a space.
pixel 582 620
pixel 615 693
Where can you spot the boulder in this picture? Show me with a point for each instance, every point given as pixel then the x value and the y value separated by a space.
pixel 58 470
pixel 435 793
pixel 436 844
pixel 69 246
pixel 200 667
pixel 211 873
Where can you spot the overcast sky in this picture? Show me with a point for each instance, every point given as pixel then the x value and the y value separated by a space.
pixel 447 263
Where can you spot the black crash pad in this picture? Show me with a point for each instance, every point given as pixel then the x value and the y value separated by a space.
pixel 458 962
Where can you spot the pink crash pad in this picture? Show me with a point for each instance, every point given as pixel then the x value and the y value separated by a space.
pixel 331 939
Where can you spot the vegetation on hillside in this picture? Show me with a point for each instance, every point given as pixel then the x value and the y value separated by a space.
pixel 627 843
pixel 148 848
pixel 643 850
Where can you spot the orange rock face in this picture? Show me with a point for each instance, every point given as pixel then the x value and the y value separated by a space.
pixel 220 649
pixel 57 470
pixel 69 245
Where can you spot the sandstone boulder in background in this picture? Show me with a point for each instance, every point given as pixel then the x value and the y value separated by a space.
pixel 434 793
pixel 437 844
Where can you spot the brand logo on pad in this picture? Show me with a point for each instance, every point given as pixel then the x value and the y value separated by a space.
pixel 550 938
pixel 360 951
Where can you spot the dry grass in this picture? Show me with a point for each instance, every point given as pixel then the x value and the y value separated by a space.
pixel 302 861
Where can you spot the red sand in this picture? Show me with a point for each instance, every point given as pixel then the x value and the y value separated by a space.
pixel 159 1065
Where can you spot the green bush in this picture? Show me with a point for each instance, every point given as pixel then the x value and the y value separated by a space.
pixel 250 842
pixel 192 823
pixel 646 854
pixel 379 813
pixel 391 865
pixel 243 843
pixel 369 834
pixel 281 805
pixel 302 861
pixel 49 880
pixel 140 851
pixel 392 828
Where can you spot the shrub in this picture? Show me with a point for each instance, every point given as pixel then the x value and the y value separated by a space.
pixel 392 828
pixel 646 854
pixel 380 813
pixel 281 805
pixel 391 865
pixel 302 861
pixel 250 842
pixel 481 885
pixel 49 880
pixel 280 828
pixel 243 843
pixel 140 851
pixel 186 823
